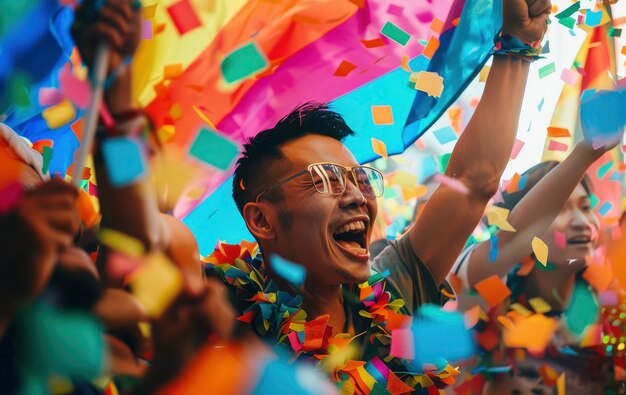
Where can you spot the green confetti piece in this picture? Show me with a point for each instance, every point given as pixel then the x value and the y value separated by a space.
pixel 569 11
pixel 395 33
pixel 593 200
pixel 242 63
pixel 614 32
pixel 604 169
pixel 19 85
pixel 214 149
pixel 547 70
pixel 583 309
pixel 47 157
pixel 443 162
pixel 568 22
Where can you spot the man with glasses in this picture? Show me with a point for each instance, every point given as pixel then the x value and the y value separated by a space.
pixel 305 198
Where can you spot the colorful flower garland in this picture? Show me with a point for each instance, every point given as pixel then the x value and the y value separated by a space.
pixel 278 317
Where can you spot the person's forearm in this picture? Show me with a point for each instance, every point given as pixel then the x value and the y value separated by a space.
pixel 483 150
pixel 532 215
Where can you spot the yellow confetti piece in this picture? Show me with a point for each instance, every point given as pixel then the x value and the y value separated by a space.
pixel 166 133
pixel 428 82
pixel 149 10
pixel 172 71
pixel 541 250
pixel 121 242
pixel 59 115
pixel 203 116
pixel 505 322
pixel 156 283
pixel 521 309
pixel 560 384
pixel 146 329
pixel 379 147
pixel 539 305
pixel 498 216
pixel 382 115
pixel 484 73
pixel 404 179
pixel 417 192
pixel 176 112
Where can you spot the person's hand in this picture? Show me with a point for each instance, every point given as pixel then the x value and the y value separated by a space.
pixel 117 23
pixel 187 325
pixel 39 229
pixel 526 19
pixel 603 119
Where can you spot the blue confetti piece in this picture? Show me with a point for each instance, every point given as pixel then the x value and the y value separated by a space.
pixel 124 160
pixel 493 251
pixel 605 208
pixel 546 48
pixel 292 272
pixel 593 19
pixel 540 106
pixel 522 182
pixel 281 377
pixel 602 117
pixel 616 176
pixel 445 135
pixel 391 232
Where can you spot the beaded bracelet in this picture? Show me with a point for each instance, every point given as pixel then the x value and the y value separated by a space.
pixel 513 46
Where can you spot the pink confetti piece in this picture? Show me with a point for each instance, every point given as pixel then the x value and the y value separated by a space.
pixel 295 341
pixel 452 183
pixel 10 196
pixel 570 76
pixel 381 367
pixel 50 96
pixel 146 29
pixel 395 9
pixel 559 239
pixel 556 146
pixel 607 298
pixel 517 147
pixel 402 344
pixel 120 265
pixel 75 89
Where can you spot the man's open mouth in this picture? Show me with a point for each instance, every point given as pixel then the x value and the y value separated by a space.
pixel 581 239
pixel 352 236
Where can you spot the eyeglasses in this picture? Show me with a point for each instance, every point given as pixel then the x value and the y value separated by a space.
pixel 330 179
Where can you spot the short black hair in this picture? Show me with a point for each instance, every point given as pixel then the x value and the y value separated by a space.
pixel 533 175
pixel 251 172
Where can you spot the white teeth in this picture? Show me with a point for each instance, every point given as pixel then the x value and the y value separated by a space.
pixel 355 225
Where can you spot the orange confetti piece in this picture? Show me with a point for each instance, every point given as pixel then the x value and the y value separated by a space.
pixel 344 69
pixel 533 333
pixel 437 25
pixel 379 147
pixel 382 115
pixel 431 47
pixel 373 43
pixel 493 290
pixel 172 71
pixel 554 131
pixel 405 64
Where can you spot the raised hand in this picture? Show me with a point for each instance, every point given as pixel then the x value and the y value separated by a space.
pixel 526 19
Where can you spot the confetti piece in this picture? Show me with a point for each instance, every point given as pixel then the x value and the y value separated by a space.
pixel 498 216
pixel 10 196
pixel 431 47
pixel 560 384
pixel 427 331
pixel 605 208
pixel 402 344
pixel 556 146
pixel 391 231
pixel 521 309
pixel 344 69
pixel 59 115
pixel 50 97
pixel 451 183
pixel 608 298
pixel 604 169
pixel 493 290
pixel 425 16
pixel 379 147
pixel 47 157
pixel 539 305
pixel 592 18
pixel 583 309
pixel 599 275
pixel 570 76
pixel 156 283
pixel 428 82
pixel 292 272
pixel 121 242
pixel 547 70
pixel 149 10
pixel 614 32
pixel 601 118
pixel 437 25
pixel 166 133
pixel 183 16
pixel 484 73
pixel 568 22
pixel 404 179
pixel 124 160
pixel 172 71
pixel 559 239
pixel 373 43
pixel 540 105
pixel 533 333
pixel 540 249
pixel 395 33
pixel 517 147
pixel 445 135
pixel 242 63
pixel 394 9
pixel 75 89
pixel 146 29
pixel 382 115
pixel 554 131
pixel 214 149
pixel 120 265
pixel 493 250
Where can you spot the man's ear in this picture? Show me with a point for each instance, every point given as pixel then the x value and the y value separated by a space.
pixel 257 219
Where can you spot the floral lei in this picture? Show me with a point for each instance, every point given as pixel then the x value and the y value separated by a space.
pixel 278 317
